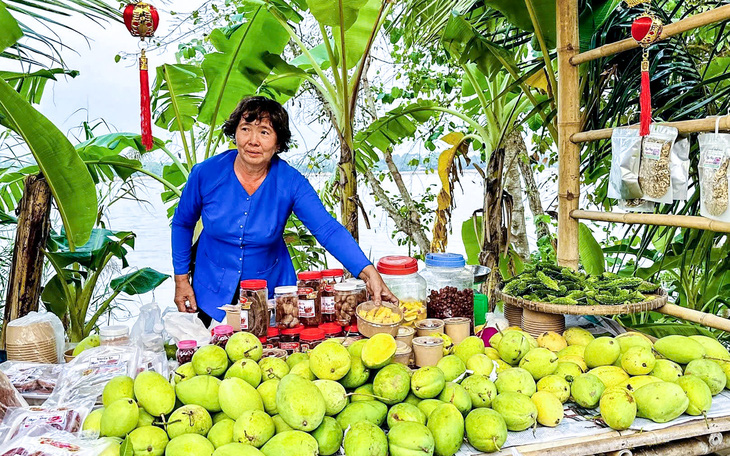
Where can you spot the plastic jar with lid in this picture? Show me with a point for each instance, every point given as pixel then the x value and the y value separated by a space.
pixel 346 301
pixel 114 335
pixel 449 285
pixel 400 274
pixel 310 338
pixel 253 299
pixel 289 339
pixel 287 306
pixel 185 351
pixel 310 304
pixel 330 277
pixel 362 290
pixel 272 337
pixel 332 330
pixel 221 334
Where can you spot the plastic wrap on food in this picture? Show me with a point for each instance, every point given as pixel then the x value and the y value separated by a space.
pixel 9 396
pixel 636 205
pixel 148 331
pixel 69 418
pixel 154 361
pixel 37 337
pixel 655 176
pixel 625 159
pixel 713 172
pixel 48 441
pixel 679 165
pixel 185 326
pixel 32 378
pixel 85 376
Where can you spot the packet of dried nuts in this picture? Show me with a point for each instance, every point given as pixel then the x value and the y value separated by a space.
pixel 655 176
pixel 636 205
pixel 713 170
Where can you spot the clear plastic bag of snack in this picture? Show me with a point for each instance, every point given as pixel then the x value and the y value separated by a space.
pixel 655 176
pixel 154 361
pixel 679 165
pixel 713 171
pixel 625 158
pixel 85 376
pixel 68 417
pixel 32 378
pixel 48 441
pixel 9 396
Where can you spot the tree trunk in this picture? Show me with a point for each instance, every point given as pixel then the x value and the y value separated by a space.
pixel 496 204
pixel 26 269
pixel 542 228
pixel 513 186
pixel 348 189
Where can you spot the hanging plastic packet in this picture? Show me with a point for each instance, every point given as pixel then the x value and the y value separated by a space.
pixel 655 177
pixel 679 166
pixel 713 170
pixel 625 159
pixel 636 205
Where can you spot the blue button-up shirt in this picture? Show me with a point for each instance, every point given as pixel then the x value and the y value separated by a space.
pixel 242 235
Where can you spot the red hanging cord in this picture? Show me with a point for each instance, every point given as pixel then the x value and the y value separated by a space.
pixel 645 97
pixel 144 96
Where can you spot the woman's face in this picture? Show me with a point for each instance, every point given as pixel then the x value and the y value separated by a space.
pixel 256 141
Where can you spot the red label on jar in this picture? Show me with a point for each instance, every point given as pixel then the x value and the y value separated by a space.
pixel 244 319
pixel 243 301
pixel 328 305
pixel 329 287
pixel 289 346
pixel 305 291
pixel 306 308
pixel 304 348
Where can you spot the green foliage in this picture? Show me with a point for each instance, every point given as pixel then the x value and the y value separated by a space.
pixel 11 30
pixel 591 255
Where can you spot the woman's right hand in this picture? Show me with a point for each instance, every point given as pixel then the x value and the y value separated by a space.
pixel 184 294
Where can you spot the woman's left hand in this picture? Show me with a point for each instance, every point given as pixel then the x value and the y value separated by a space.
pixel 377 288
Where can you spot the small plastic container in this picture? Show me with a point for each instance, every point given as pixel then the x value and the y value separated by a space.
pixel 289 339
pixel 310 301
pixel 449 284
pixel 346 302
pixel 405 335
pixel 428 350
pixel 403 353
pixel 221 334
pixel 272 337
pixel 185 351
pixel 332 330
pixel 429 326
pixel 457 328
pixel 400 274
pixel 369 328
pixel 253 300
pixel 362 290
pixel 330 278
pixel 310 338
pixel 114 335
pixel 287 306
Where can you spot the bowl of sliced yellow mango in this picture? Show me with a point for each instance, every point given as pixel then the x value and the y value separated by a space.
pixel 373 319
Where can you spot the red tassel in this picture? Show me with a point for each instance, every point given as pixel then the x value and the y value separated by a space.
pixel 645 100
pixel 144 96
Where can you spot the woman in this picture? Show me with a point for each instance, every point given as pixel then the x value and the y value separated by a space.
pixel 245 197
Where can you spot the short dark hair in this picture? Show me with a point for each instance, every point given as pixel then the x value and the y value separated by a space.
pixel 258 108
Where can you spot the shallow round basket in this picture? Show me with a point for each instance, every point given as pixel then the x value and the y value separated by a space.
pixel 369 329
pixel 513 314
pixel 654 302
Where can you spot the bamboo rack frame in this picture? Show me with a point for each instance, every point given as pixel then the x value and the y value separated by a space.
pixel 684 127
pixel 682 221
pixel 676 28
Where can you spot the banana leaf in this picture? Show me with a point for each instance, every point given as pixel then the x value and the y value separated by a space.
pixel 32 85
pixel 138 282
pixel 11 32
pixel 359 34
pixel 177 95
pixel 591 255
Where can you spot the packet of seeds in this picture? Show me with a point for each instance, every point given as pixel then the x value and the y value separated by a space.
pixel 636 205
pixel 713 170
pixel 655 177
pixel 679 165
pixel 626 154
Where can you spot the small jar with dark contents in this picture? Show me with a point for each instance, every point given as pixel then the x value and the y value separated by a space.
pixel 332 330
pixel 185 351
pixel 310 304
pixel 272 337
pixel 310 338
pixel 289 339
pixel 330 278
pixel 221 334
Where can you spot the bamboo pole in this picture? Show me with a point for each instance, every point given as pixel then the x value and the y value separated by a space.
pixel 568 124
pixel 684 126
pixel 690 23
pixel 705 319
pixel 682 221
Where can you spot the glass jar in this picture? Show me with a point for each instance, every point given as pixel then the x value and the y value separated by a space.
pixel 253 299
pixel 272 337
pixel 185 351
pixel 221 334
pixel 331 330
pixel 310 305
pixel 114 335
pixel 289 339
pixel 449 284
pixel 330 277
pixel 287 306
pixel 362 290
pixel 346 301
pixel 400 274
pixel 310 338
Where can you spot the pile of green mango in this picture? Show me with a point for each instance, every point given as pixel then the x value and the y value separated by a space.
pixel 337 400
pixel 546 282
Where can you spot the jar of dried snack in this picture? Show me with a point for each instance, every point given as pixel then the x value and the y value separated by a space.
pixel 330 277
pixel 310 338
pixel 449 286
pixel 272 337
pixel 114 335
pixel 346 295
pixel 287 306
pixel 362 290
pixel 253 299
pixel 221 334
pixel 332 330
pixel 400 274
pixel 289 339
pixel 310 304
pixel 185 351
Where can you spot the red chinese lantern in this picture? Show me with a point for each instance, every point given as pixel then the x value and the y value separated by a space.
pixel 646 30
pixel 141 20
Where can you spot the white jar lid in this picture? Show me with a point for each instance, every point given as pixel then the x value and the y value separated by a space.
pixel 357 282
pixel 347 286
pixel 113 331
pixel 286 289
